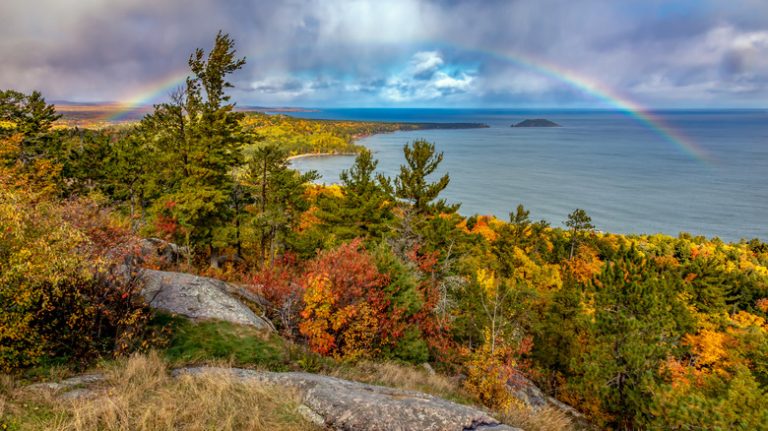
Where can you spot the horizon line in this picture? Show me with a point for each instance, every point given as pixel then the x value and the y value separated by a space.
pixel 564 108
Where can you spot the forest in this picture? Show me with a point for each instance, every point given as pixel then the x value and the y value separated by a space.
pixel 634 331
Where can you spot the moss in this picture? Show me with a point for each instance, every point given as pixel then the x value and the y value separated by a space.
pixel 196 342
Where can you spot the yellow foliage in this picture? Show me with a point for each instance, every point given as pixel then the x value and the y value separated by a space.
pixel 742 319
pixel 488 372
pixel 10 147
pixel 708 346
pixel 546 276
pixel 312 191
pixel 487 281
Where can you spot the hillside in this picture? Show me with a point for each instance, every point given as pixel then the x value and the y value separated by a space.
pixel 377 280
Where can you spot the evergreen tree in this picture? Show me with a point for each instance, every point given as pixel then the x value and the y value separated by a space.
pixel 277 196
pixel 197 145
pixel 364 210
pixel 579 223
pixel 30 114
pixel 26 142
pixel 128 164
pixel 638 323
pixel 412 184
pixel 520 233
pixel 557 336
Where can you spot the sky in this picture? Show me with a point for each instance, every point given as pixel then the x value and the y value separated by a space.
pixel 399 53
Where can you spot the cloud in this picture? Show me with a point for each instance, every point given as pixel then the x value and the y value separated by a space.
pixel 426 78
pixel 282 88
pixel 424 64
pixel 725 62
pixel 398 52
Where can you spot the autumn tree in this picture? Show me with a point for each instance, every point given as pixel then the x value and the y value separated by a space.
pixel 347 313
pixel 58 297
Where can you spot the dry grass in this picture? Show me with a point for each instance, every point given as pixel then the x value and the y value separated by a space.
pixel 400 376
pixel 545 419
pixel 139 395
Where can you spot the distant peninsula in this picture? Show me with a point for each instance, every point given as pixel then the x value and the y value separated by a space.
pixel 536 122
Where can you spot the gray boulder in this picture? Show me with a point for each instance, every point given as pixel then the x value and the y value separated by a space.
pixel 345 405
pixel 197 298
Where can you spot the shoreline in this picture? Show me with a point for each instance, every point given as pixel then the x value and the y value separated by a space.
pixel 414 127
pixel 309 155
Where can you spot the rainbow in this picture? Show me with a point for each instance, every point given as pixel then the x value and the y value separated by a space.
pixel 603 93
pixel 147 95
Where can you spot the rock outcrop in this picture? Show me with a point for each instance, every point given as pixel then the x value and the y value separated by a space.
pixel 197 297
pixel 534 398
pixel 158 252
pixel 536 122
pixel 345 405
pixel 73 388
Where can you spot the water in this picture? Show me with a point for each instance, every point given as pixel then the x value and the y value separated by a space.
pixel 626 176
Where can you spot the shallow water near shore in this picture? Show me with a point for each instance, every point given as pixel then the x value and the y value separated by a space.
pixel 627 176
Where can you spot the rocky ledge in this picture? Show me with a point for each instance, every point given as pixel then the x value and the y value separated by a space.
pixel 345 405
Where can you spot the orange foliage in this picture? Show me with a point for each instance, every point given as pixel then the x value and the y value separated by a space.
pixel 279 285
pixel 346 312
pixel 762 304
pixel 483 227
pixel 585 265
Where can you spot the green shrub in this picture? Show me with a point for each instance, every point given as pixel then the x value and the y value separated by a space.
pixel 194 342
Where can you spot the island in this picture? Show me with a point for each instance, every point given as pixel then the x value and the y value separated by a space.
pixel 536 122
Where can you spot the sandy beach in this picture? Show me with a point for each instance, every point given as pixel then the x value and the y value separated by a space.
pixel 306 155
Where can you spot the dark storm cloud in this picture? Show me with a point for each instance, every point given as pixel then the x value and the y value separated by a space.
pixel 398 52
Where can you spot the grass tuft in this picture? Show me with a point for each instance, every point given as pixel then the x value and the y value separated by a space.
pixel 545 419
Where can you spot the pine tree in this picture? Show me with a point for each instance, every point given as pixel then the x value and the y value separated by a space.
pixel 30 114
pixel 639 320
pixel 520 233
pixel 276 194
pixel 26 142
pixel 412 184
pixel 364 210
pixel 197 143
pixel 579 223
pixel 127 174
